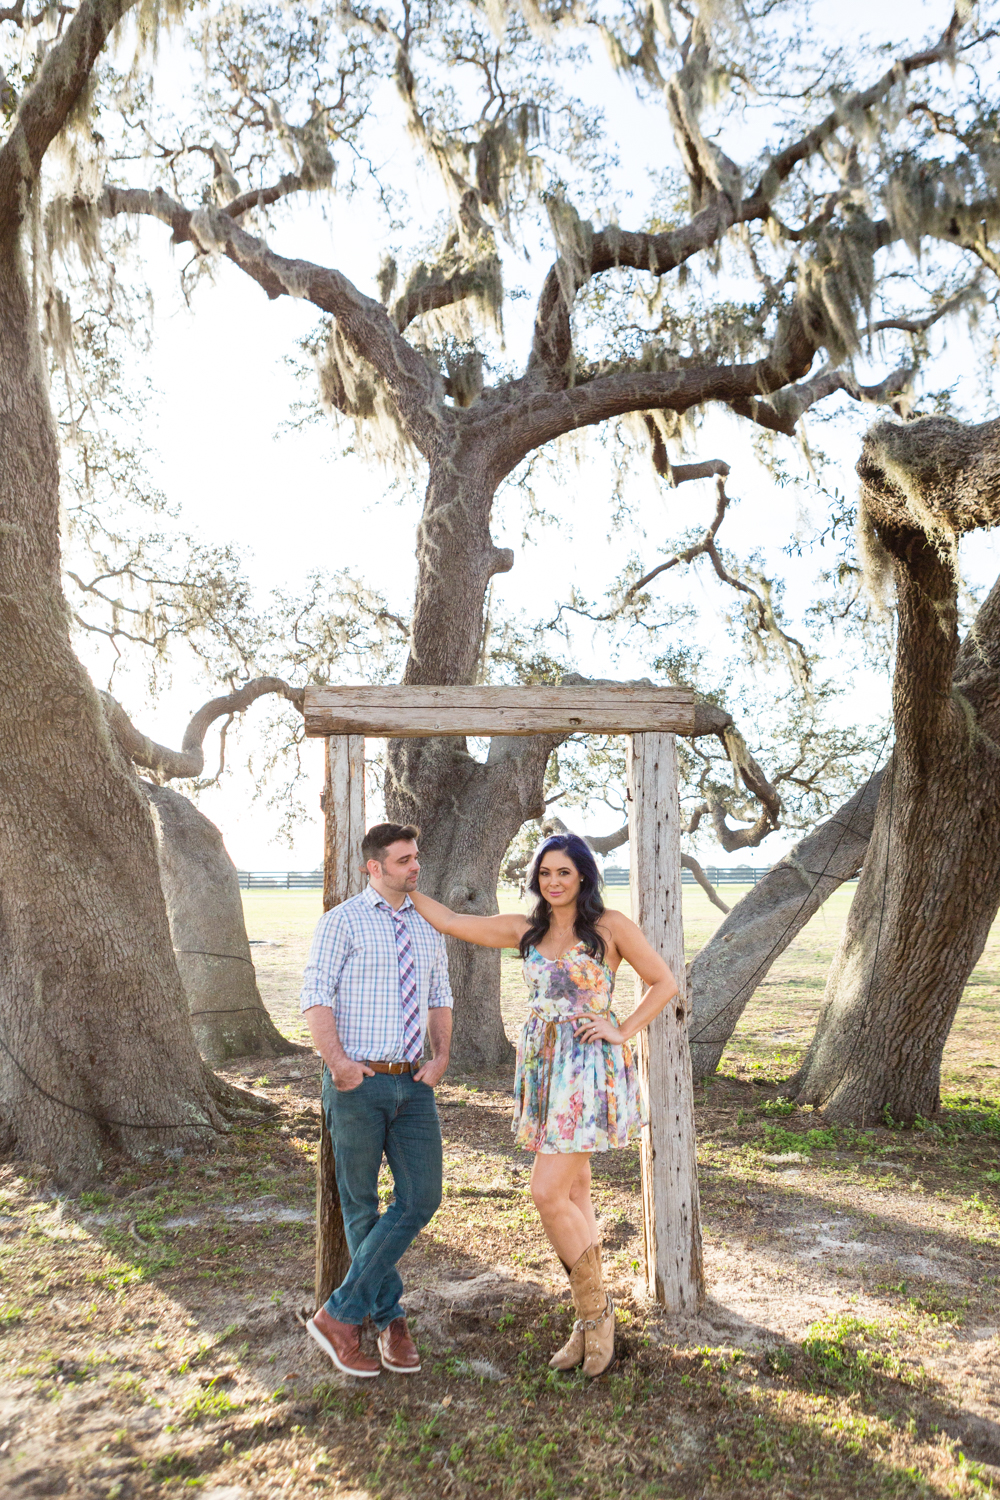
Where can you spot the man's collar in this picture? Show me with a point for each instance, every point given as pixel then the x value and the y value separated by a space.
pixel 378 900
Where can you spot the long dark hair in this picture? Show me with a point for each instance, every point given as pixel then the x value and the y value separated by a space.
pixel 589 906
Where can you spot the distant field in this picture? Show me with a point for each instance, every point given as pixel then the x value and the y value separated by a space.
pixel 776 1025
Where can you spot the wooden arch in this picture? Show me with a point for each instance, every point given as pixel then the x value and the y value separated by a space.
pixel 651 717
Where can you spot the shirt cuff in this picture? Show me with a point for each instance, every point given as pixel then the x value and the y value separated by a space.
pixel 307 1001
pixel 444 1002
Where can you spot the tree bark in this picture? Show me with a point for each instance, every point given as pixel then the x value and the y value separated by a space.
pixel 930 886
pixel 209 936
pixel 97 1052
pixel 189 760
pixel 724 976
pixel 468 811
pixel 736 959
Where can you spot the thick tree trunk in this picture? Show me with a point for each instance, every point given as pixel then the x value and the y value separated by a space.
pixel 741 951
pixel 467 811
pixel 205 912
pixel 930 886
pixel 737 957
pixel 96 1050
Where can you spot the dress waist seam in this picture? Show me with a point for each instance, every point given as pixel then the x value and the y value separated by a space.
pixel 580 1015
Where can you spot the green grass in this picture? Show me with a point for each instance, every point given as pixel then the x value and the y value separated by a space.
pixel 853 1352
pixel 778 1139
pixel 208 1405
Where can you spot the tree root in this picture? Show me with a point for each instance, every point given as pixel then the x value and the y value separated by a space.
pixel 233 1102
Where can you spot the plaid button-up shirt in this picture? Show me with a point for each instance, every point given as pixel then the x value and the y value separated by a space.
pixel 353 967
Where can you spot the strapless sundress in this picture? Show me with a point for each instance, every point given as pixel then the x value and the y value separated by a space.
pixel 571 1095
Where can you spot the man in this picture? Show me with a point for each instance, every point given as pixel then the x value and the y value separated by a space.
pixel 376 981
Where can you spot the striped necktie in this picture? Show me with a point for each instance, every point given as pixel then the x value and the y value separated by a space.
pixel 408 1003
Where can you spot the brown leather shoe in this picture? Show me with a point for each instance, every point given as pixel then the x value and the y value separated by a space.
pixel 397 1349
pixel 342 1341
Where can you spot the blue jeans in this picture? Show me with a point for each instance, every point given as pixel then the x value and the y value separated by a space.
pixel 395 1116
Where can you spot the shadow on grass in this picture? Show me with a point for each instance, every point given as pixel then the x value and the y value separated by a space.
pixel 834 1414
pixel 823 1420
pixel 837 1413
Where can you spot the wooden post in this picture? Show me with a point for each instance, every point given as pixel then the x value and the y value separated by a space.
pixel 671 1216
pixel 344 807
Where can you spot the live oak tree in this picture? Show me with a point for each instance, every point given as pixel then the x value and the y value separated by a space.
pixel 921 831
pixel 930 885
pixel 627 325
pixel 750 285
pixel 96 1050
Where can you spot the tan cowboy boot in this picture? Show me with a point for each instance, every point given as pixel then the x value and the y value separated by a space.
pixel 571 1353
pixel 596 1312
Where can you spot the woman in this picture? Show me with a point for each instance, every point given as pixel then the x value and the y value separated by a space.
pixel 576 1087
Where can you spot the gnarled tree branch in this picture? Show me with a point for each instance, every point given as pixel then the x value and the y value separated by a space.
pixel 781 413
pixel 362 321
pixel 546 414
pixel 925 484
pixel 440 291
pixel 688 862
pixel 780 168
pixel 766 622
pixel 48 103
pixel 706 543
pixel 719 210
pixel 190 759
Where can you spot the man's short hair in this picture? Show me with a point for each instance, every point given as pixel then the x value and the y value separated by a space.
pixel 377 840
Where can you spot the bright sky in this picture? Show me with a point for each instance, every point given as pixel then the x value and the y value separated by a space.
pixel 291 503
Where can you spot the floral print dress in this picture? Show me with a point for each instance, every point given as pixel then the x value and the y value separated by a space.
pixel 571 1095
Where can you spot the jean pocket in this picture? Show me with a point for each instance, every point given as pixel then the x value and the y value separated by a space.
pixel 354 1086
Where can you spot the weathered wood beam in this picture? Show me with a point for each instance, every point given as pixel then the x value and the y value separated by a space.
pixel 418 712
pixel 671 1213
pixel 344 821
pixel 344 808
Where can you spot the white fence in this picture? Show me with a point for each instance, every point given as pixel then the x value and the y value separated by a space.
pixel 312 880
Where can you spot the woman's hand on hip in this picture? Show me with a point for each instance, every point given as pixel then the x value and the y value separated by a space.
pixel 598 1029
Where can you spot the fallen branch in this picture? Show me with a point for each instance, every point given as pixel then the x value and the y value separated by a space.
pixel 688 862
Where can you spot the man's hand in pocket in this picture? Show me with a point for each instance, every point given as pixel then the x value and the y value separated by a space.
pixel 432 1072
pixel 349 1075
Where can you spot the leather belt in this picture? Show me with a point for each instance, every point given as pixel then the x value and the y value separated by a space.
pixel 391 1067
